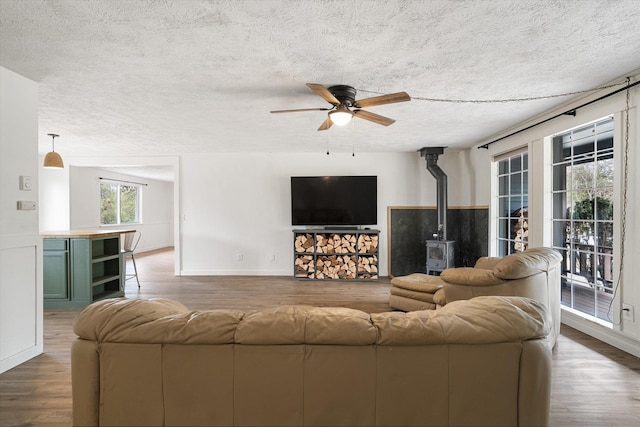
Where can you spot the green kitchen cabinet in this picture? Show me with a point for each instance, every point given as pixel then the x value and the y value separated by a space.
pixel 82 267
pixel 56 269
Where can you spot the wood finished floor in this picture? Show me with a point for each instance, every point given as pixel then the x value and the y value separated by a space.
pixel 594 384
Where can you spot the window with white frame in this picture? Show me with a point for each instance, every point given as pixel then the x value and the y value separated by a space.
pixel 583 199
pixel 119 203
pixel 513 203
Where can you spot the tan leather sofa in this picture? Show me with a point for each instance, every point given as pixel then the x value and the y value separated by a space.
pixel 154 362
pixel 534 273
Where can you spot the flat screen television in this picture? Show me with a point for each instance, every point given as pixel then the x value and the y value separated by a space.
pixel 334 200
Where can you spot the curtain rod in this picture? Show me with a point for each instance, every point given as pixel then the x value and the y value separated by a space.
pixel 120 180
pixel 571 112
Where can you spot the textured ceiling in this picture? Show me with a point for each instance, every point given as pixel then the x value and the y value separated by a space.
pixel 176 77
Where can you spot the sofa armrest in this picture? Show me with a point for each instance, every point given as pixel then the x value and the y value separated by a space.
pixel 440 297
pixel 470 277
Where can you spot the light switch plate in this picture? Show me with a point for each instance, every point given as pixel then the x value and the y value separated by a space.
pixel 26 205
pixel 25 183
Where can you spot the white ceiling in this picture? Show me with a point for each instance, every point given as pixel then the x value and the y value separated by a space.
pixel 176 77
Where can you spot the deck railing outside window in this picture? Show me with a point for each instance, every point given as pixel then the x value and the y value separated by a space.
pixel 583 216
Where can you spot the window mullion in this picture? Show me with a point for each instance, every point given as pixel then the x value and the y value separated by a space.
pixel 118 219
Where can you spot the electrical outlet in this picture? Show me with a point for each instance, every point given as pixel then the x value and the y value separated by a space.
pixel 627 312
pixel 241 257
pixel 274 257
pixel 26 205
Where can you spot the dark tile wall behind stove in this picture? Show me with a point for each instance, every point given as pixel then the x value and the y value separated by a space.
pixel 409 228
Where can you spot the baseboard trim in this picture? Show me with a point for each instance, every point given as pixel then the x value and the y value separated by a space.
pixel 18 359
pixel 144 249
pixel 602 333
pixel 287 272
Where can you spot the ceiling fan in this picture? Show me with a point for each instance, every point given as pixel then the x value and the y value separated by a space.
pixel 345 106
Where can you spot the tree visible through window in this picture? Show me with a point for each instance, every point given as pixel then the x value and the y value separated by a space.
pixel 583 197
pixel 119 203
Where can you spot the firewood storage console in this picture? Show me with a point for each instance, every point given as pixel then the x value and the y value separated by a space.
pixel 332 254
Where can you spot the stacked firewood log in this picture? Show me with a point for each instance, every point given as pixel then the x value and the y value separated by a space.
pixel 304 267
pixel 336 267
pixel 368 243
pixel 368 267
pixel 304 243
pixel 336 243
pixel 521 231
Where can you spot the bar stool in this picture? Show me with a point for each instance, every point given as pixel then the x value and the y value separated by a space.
pixel 130 243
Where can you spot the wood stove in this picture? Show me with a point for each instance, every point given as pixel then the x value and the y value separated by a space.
pixel 440 255
pixel 440 251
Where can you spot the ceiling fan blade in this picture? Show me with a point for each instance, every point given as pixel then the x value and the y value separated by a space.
pixel 301 109
pixel 324 93
pixel 326 124
pixel 375 118
pixel 383 99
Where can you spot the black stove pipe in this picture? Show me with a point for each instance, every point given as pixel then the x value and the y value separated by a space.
pixel 431 156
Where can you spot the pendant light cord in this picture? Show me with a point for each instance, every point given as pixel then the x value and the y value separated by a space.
pixel 53 141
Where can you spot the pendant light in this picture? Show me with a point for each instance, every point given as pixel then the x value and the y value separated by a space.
pixel 53 159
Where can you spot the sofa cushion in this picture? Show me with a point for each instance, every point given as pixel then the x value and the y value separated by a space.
pixel 487 262
pixel 399 302
pixel 155 321
pixel 407 293
pixel 478 320
pixel 419 282
pixel 524 264
pixel 470 276
pixel 305 324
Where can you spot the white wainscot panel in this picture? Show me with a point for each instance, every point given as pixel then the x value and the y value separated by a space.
pixel 18 305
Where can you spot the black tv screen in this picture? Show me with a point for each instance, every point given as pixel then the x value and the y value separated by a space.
pixel 334 200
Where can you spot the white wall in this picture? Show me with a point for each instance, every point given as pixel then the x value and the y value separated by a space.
pixel 463 179
pixel 21 335
pixel 239 204
pixel 54 198
pixel 625 334
pixel 156 209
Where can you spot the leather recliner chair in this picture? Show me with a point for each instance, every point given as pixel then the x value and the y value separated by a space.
pixel 534 273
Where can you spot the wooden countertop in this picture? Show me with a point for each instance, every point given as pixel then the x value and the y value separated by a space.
pixel 87 233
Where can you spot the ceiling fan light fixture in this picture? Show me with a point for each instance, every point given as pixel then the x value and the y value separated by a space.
pixel 53 160
pixel 341 115
pixel 342 98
